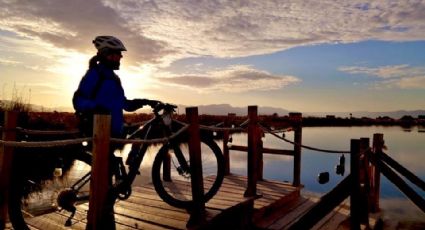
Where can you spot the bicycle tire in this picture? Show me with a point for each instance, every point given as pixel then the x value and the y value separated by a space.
pixel 210 190
pixel 16 197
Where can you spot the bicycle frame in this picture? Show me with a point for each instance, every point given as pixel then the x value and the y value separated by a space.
pixel 124 179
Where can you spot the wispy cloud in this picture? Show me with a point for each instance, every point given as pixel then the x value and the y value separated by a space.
pixel 239 78
pixel 7 62
pixel 160 31
pixel 393 71
pixel 404 83
pixel 396 76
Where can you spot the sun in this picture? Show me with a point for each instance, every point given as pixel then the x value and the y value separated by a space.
pixel 136 79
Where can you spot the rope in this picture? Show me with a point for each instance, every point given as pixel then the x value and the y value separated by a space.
pixel 36 144
pixel 303 146
pixel 136 124
pixel 47 132
pixel 218 129
pixel 150 141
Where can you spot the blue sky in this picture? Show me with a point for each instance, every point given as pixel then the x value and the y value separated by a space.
pixel 307 56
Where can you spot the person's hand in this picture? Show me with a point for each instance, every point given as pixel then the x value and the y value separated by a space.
pixel 153 103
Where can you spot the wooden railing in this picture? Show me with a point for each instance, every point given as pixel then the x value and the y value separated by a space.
pixel 100 165
pixel 255 149
pixel 363 185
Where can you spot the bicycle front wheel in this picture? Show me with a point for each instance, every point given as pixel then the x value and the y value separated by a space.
pixel 44 198
pixel 177 190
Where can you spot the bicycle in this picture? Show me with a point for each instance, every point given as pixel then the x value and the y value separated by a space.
pixel 173 152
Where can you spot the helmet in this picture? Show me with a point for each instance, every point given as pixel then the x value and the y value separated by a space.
pixel 108 42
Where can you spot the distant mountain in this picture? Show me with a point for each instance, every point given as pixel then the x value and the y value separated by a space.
pixel 224 109
pixel 393 114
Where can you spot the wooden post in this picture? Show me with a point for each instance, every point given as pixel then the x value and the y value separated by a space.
pixel 375 173
pixel 260 157
pixel 364 180
pixel 100 175
pixel 253 151
pixel 197 215
pixel 296 120
pixel 355 207
pixel 227 123
pixel 6 157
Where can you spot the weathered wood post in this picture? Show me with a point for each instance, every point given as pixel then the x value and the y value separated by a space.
pixel 364 180
pixel 260 156
pixel 296 121
pixel 197 212
pixel 227 123
pixel 375 173
pixel 6 157
pixel 355 207
pixel 253 151
pixel 100 176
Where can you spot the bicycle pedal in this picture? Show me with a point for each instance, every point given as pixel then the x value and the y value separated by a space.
pixel 68 223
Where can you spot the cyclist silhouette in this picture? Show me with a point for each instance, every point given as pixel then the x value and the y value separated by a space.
pixel 100 91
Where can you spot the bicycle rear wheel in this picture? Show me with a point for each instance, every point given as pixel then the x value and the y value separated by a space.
pixel 45 199
pixel 178 191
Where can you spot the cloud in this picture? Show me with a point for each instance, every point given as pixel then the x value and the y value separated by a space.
pixel 160 31
pixel 239 78
pixel 74 24
pixel 7 62
pixel 385 72
pixel 404 83
pixel 395 76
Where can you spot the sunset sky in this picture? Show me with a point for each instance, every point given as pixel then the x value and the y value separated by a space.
pixel 307 56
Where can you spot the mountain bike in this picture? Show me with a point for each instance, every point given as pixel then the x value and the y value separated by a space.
pixel 172 155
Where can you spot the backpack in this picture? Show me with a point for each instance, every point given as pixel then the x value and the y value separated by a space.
pixel 85 117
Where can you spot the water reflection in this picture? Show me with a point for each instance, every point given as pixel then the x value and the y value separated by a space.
pixel 405 147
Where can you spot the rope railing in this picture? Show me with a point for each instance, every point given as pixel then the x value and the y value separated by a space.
pixel 303 146
pixel 46 132
pixel 37 144
pixel 217 129
pixel 150 141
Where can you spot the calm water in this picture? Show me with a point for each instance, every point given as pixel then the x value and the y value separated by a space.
pixel 407 147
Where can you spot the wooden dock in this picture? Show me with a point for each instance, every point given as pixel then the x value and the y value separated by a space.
pixel 145 209
pixel 278 205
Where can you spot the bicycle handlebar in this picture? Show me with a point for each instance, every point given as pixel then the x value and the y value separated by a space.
pixel 166 107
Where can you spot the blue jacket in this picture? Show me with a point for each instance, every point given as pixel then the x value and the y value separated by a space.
pixel 110 96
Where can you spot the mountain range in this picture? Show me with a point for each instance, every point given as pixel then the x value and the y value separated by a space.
pixel 224 109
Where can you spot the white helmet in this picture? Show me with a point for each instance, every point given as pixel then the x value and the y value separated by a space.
pixel 108 42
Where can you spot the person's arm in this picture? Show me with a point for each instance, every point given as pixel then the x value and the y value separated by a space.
pixel 135 104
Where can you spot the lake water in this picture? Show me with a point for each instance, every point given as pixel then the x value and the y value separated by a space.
pixel 405 146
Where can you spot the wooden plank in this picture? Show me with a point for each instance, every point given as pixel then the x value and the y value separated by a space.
pixel 131 219
pixel 333 219
pixel 267 220
pixel 178 215
pixel 293 214
pixel 326 204
pixel 61 219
